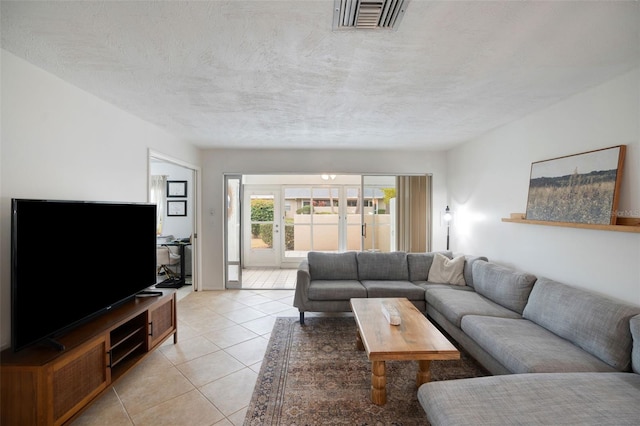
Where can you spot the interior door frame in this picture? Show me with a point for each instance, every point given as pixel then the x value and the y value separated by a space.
pixel 193 208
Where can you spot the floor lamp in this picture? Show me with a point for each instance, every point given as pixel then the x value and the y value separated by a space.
pixel 447 218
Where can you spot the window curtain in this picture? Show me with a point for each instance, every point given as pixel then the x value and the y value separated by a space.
pixel 159 197
pixel 414 213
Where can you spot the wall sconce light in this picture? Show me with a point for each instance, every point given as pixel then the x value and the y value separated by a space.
pixel 327 177
pixel 447 217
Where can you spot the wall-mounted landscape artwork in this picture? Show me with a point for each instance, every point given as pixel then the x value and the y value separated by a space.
pixel 580 188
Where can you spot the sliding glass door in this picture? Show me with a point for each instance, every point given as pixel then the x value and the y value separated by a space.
pixel 274 221
pixel 378 213
pixel 312 219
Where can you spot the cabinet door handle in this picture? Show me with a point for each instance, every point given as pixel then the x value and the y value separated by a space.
pixel 151 328
pixel 110 352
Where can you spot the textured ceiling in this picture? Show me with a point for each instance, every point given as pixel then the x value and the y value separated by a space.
pixel 273 74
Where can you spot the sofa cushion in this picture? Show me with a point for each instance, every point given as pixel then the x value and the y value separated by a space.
pixel 333 266
pixel 595 323
pixel 448 271
pixel 454 304
pixel 468 268
pixel 503 285
pixel 336 289
pixel 389 288
pixel 534 399
pixel 383 266
pixel 420 264
pixel 635 352
pixel 522 346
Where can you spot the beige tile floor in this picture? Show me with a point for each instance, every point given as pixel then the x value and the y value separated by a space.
pixel 207 378
pixel 269 278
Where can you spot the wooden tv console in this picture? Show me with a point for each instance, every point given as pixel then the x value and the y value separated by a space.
pixel 45 386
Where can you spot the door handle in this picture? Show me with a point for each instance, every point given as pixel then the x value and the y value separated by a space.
pixel 364 230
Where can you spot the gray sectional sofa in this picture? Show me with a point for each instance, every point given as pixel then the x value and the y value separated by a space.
pixel 569 356
pixel 559 354
pixel 327 281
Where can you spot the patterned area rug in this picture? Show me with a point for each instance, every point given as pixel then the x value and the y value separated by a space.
pixel 314 375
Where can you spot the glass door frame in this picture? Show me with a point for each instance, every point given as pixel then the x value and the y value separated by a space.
pixel 233 253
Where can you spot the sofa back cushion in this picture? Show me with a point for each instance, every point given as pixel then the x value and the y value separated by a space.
pixel 503 285
pixel 333 266
pixel 468 268
pixel 635 352
pixel 420 264
pixel 595 323
pixel 383 266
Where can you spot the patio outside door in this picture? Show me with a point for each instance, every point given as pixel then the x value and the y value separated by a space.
pixel 262 242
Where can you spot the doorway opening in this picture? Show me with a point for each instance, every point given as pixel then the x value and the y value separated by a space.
pixel 173 187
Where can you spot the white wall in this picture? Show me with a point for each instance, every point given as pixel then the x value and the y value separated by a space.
pixel 488 179
pixel 217 162
pixel 59 142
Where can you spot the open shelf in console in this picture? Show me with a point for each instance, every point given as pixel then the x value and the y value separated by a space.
pixel 127 341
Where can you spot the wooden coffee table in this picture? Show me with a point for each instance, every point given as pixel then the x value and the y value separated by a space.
pixel 415 339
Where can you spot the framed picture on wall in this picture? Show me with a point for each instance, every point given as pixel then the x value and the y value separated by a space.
pixel 580 188
pixel 177 208
pixel 176 188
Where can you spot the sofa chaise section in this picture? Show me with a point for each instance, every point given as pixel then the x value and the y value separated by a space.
pixel 563 329
pixel 569 398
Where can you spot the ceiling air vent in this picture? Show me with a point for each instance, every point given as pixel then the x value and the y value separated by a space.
pixel 368 14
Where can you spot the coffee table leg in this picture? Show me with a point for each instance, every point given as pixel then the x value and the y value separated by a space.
pixel 378 383
pixel 424 374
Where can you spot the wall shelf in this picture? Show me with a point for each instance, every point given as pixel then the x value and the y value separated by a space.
pixel 627 224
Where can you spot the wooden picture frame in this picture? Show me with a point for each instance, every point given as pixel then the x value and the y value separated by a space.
pixel 176 188
pixel 177 208
pixel 579 188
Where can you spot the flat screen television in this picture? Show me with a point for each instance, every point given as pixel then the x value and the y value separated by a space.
pixel 74 260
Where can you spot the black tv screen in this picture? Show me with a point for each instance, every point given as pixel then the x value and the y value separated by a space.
pixel 73 260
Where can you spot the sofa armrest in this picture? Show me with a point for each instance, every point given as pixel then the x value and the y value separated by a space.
pixel 303 280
